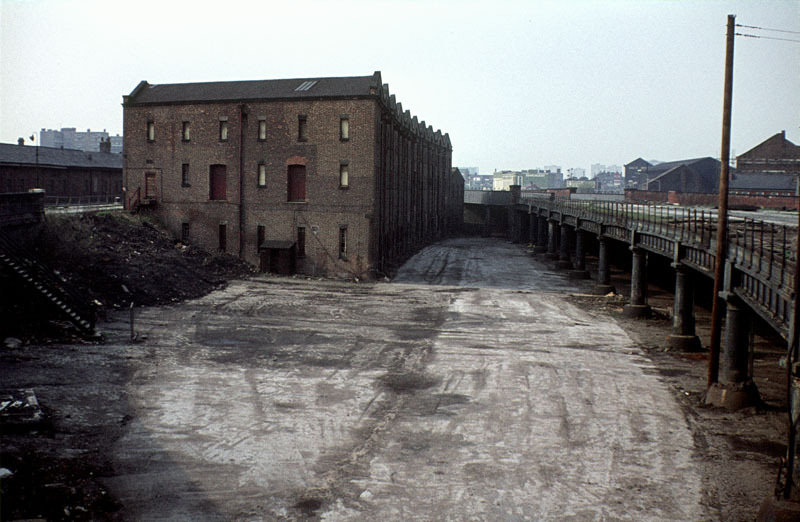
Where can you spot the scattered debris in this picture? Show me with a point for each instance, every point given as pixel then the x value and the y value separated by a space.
pixel 19 408
pixel 12 343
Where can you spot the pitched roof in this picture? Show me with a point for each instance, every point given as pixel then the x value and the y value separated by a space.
pixel 11 154
pixel 639 162
pixel 285 89
pixel 658 169
pixel 763 181
pixel 778 141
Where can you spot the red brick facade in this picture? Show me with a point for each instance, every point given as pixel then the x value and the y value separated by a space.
pixel 354 199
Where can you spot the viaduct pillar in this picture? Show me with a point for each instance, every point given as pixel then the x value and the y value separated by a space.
pixel 552 230
pixel 735 389
pixel 533 231
pixel 563 250
pixel 683 336
pixel 579 271
pixel 638 306
pixel 541 235
pixel 603 285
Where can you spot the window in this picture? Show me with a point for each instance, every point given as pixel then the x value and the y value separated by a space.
pixel 185 135
pixel 301 241
pixel 262 175
pixel 149 185
pixel 185 175
pixel 302 128
pixel 344 175
pixel 260 236
pixel 217 181
pixel 262 129
pixel 151 130
pixel 297 183
pixel 223 236
pixel 344 128
pixel 223 130
pixel 342 241
pixel 185 232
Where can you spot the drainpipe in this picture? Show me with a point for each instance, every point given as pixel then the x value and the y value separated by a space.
pixel 242 124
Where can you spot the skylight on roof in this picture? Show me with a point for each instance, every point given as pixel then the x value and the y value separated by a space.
pixel 306 85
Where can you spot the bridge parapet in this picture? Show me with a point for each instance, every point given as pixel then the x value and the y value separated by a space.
pixel 487 197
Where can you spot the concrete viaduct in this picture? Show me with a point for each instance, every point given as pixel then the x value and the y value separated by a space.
pixel 759 269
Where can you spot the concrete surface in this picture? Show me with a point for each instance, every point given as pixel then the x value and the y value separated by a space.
pixel 468 388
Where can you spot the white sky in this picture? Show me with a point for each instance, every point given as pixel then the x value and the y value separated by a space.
pixel 516 84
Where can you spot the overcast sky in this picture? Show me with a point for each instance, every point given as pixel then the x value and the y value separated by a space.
pixel 516 84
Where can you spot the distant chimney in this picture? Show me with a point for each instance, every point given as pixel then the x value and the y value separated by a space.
pixel 105 145
pixel 20 141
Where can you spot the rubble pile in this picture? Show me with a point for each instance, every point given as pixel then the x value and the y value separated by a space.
pixel 115 259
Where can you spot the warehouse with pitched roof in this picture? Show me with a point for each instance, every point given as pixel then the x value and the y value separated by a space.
pixel 325 176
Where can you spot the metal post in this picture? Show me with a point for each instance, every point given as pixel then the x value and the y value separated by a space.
pixel 722 213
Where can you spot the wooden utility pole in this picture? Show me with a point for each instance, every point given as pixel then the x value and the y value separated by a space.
pixel 722 212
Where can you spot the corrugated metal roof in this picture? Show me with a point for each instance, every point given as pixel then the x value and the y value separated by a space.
pixel 48 156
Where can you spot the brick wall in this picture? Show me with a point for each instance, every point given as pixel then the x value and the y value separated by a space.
pixel 711 200
pixel 70 181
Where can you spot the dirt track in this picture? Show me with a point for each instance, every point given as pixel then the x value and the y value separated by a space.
pixel 281 398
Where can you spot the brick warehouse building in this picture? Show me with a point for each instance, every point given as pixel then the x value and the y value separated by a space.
pixel 62 173
pixel 319 175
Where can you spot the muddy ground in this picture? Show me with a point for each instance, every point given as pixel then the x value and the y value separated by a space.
pixel 63 466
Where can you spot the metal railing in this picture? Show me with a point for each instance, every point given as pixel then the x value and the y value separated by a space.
pixel 68 201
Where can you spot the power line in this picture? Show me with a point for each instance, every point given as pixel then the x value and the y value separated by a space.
pixel 767 29
pixel 767 37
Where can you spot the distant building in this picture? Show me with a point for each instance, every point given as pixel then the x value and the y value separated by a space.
pixel 70 138
pixel 636 174
pixel 597 168
pixel 700 175
pixel 774 155
pixel 576 172
pixel 474 181
pixel 583 185
pixel 505 178
pixel 770 168
pixel 60 172
pixel 609 182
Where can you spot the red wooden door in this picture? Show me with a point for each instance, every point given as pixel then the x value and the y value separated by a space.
pixel 217 182
pixel 297 183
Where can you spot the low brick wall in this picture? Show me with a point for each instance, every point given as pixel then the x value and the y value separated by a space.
pixel 564 193
pixel 644 196
pixel 691 199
